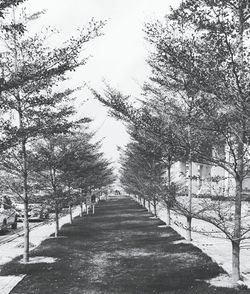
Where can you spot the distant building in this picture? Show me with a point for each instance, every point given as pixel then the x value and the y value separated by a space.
pixel 207 180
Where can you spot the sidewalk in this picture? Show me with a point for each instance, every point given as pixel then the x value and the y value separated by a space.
pixel 120 249
pixel 9 251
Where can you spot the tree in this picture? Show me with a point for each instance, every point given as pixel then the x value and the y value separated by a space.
pixel 143 170
pixel 66 163
pixel 31 69
pixel 155 121
pixel 6 4
pixel 52 172
pixel 163 130
pixel 210 48
pixel 92 172
pixel 47 163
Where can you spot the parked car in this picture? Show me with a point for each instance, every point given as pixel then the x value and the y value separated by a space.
pixel 36 212
pixel 8 215
pixel 19 209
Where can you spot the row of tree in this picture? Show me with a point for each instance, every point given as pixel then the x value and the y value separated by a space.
pixel 42 147
pixel 195 109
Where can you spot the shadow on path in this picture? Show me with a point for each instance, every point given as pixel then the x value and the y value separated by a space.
pixel 117 250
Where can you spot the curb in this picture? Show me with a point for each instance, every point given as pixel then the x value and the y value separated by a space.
pixel 8 283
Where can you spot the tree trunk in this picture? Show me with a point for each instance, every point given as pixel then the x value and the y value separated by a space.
pixel 240 160
pixel 26 203
pixel 190 188
pixel 168 221
pixel 169 197
pixel 70 214
pixel 93 208
pixel 81 210
pixel 87 208
pixel 189 228
pixel 155 211
pixel 26 234
pixel 144 203
pixel 237 234
pixel 155 208
pixel 56 222
pixel 149 208
pixel 235 262
pixel 24 155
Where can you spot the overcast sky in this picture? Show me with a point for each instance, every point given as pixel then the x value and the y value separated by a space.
pixel 119 56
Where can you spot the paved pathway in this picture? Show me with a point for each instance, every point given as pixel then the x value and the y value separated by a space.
pixel 7 283
pixel 10 250
pixel 120 249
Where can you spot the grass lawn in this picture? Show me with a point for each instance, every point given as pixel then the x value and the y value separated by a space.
pixel 117 250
